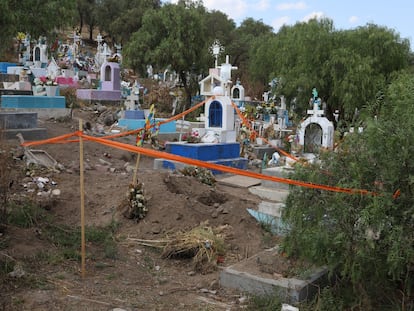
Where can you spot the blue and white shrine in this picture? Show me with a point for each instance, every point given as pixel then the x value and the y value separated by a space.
pixel 218 137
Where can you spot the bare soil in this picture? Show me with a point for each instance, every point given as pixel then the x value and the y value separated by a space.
pixel 138 277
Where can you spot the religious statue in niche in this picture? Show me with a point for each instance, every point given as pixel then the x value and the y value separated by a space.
pixel 315 99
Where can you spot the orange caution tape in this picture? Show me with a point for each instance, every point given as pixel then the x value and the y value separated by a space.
pixel 54 140
pixel 194 162
pixel 172 157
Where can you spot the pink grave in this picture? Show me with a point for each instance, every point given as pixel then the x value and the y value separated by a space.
pixel 110 85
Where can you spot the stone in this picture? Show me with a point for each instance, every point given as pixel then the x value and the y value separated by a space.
pixel 103 162
pixel 56 192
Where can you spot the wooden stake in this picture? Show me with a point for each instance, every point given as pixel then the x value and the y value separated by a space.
pixel 134 179
pixel 82 196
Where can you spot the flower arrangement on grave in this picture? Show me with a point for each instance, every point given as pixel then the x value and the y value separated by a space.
pixel 44 81
pixel 272 108
pixel 136 204
pixel 261 109
pixel 192 137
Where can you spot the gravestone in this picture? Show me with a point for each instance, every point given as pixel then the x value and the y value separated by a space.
pixel 110 77
pixel 316 131
pixel 219 119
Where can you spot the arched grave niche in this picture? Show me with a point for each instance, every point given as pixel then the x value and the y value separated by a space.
pixel 313 138
pixel 215 114
pixel 316 132
pixel 36 54
pixel 108 71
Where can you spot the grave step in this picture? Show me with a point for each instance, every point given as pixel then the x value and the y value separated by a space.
pixel 18 120
pixel 247 276
pixel 278 171
pixel 271 208
pixel 272 194
pixel 260 150
pixel 28 134
pixel 26 101
pixel 45 113
pixel 240 163
pixel 14 92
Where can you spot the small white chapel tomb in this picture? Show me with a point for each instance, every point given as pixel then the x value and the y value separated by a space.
pixel 316 131
pixel 219 119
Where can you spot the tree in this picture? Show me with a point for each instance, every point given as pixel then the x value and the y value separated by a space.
pixel 244 39
pixel 347 67
pixel 120 18
pixel 87 15
pixel 35 16
pixel 7 24
pixel 367 239
pixel 173 36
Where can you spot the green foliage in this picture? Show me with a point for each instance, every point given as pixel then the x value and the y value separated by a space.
pixel 25 214
pixel 203 175
pixel 264 303
pixel 349 68
pixel 7 25
pixel 366 239
pixel 69 240
pixel 121 18
pixel 70 97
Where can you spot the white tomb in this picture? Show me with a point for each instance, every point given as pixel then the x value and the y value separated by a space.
pixel 219 119
pixel 316 131
pixel 237 93
pixel 40 55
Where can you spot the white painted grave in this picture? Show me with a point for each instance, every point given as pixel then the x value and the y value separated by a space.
pixel 219 119
pixel 316 131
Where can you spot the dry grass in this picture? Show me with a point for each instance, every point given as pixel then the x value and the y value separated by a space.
pixel 6 161
pixel 203 244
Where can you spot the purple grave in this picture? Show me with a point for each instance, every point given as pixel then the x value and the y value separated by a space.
pixel 110 85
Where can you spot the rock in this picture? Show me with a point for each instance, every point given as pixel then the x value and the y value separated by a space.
pixel 109 120
pixel 43 180
pixel 17 272
pixel 129 168
pixel 103 162
pixel 101 168
pixel 100 108
pixel 86 166
pixel 214 285
pixel 56 192
pixel 156 229
pixel 60 167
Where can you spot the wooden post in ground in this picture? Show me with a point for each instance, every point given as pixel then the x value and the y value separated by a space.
pixel 82 196
pixel 134 179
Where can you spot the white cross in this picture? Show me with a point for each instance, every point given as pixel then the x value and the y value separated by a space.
pixel 315 112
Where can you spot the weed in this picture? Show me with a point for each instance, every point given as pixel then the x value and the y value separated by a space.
pixel 69 240
pixel 6 178
pixel 111 277
pixel 6 266
pixel 264 303
pixel 25 214
pixel 17 301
